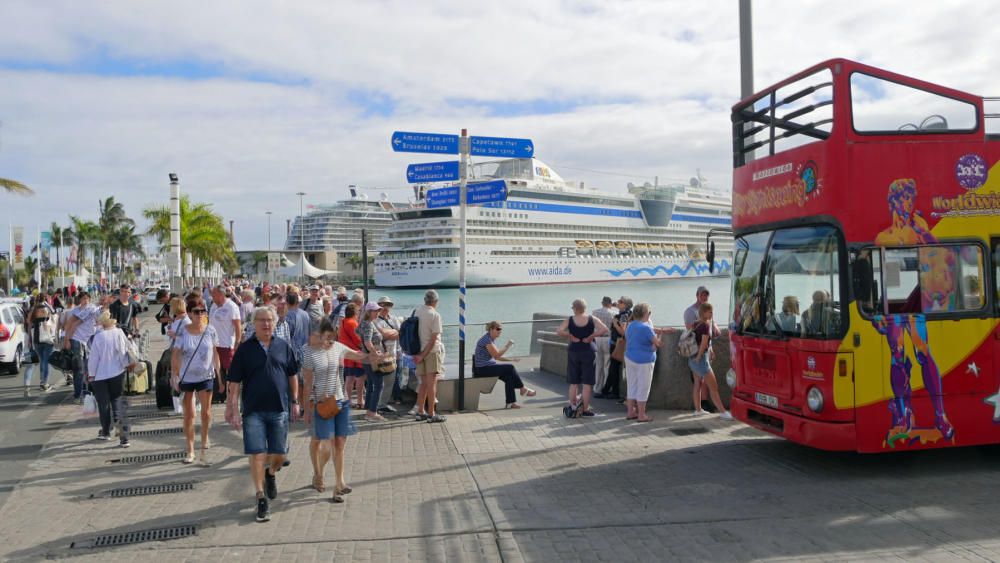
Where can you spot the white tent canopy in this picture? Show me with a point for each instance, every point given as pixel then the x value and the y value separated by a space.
pixel 306 269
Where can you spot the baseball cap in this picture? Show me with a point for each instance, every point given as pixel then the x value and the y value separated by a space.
pixel 701 289
pixel 313 287
pixel 371 307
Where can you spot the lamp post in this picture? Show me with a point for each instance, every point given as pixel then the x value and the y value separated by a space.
pixel 268 263
pixel 302 238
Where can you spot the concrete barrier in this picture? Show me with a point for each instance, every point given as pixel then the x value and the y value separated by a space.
pixel 542 322
pixel 671 388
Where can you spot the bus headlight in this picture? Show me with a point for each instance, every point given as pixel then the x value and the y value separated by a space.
pixel 814 398
pixel 731 378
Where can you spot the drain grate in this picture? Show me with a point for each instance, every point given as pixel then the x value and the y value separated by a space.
pixel 143 490
pixel 147 458
pixel 150 414
pixel 157 431
pixel 688 430
pixel 139 536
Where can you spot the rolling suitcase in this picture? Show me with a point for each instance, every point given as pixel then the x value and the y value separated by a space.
pixel 164 394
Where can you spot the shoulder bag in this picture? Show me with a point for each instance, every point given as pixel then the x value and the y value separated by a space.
pixel 328 407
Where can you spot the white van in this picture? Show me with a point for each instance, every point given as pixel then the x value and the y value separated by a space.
pixel 13 340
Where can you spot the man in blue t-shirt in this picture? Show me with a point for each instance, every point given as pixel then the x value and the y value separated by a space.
pixel 263 376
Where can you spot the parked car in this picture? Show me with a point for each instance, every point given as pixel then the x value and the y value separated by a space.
pixel 13 340
pixel 150 294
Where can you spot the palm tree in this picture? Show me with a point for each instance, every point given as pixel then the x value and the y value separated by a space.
pixel 355 261
pixel 61 236
pixel 112 218
pixel 87 235
pixel 203 232
pixel 15 187
pixel 124 239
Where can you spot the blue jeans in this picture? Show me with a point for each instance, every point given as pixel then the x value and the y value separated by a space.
pixel 80 355
pixel 373 388
pixel 265 432
pixel 44 352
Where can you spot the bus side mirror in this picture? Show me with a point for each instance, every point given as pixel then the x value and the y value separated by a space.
pixel 711 257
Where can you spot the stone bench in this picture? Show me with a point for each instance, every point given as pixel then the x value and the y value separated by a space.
pixel 447 388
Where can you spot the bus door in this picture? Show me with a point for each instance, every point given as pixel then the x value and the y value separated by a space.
pixel 930 319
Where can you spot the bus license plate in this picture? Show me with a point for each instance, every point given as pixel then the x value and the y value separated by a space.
pixel 766 400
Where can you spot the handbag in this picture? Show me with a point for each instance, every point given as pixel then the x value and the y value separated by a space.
pixel 618 354
pixel 89 405
pixel 328 407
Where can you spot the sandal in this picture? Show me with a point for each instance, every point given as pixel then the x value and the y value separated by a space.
pixel 528 392
pixel 318 483
pixel 336 499
pixel 647 419
pixel 631 417
pixel 344 491
pixel 513 406
pixel 188 459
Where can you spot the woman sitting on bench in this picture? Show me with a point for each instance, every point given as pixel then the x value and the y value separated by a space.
pixel 485 363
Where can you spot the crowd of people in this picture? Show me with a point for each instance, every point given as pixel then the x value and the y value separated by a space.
pixel 277 353
pixel 619 338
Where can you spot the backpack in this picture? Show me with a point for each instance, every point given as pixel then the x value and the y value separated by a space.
pixel 409 336
pixel 687 344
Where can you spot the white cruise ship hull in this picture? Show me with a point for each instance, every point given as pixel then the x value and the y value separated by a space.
pixel 522 272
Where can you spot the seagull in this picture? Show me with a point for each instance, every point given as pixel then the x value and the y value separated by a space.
pixel 973 369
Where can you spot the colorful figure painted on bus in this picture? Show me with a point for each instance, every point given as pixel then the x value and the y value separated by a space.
pixel 937 288
pixel 895 328
pixel 908 225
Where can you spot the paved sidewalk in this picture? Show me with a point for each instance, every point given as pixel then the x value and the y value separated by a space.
pixel 512 485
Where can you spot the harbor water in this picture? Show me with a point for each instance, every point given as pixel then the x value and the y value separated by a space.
pixel 668 299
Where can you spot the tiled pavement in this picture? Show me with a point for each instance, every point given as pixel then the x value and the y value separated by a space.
pixel 503 485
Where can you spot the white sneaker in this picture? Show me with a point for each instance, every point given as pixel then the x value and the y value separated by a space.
pixel 726 416
pixel 412 412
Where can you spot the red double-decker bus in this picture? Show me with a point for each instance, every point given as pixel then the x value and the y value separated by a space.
pixel 866 214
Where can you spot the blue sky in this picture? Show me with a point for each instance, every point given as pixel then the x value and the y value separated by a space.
pixel 253 101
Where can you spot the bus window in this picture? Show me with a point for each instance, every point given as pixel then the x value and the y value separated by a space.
pixel 802 296
pixel 934 279
pixel 867 273
pixel 747 262
pixel 880 106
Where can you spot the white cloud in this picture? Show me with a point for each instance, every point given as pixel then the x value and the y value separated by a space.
pixel 647 87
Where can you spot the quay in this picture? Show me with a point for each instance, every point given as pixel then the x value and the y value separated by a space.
pixel 499 485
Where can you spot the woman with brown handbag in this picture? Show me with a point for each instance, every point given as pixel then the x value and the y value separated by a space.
pixel 328 410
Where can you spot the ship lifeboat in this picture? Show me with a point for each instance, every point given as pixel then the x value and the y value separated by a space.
pixel 640 246
pixel 584 244
pixel 603 245
pixel 623 245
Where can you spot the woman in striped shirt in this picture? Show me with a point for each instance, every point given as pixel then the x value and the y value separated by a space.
pixel 485 364
pixel 322 363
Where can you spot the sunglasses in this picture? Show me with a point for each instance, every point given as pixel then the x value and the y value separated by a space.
pixel 498 329
pixel 199 311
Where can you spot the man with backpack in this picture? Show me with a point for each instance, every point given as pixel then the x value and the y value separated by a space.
pixel 430 357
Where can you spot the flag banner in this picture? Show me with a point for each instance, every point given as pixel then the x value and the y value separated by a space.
pixel 45 251
pixel 17 246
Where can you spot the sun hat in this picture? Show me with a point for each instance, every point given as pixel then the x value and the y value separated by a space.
pixel 385 300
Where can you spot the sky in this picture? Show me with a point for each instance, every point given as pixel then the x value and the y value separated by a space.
pixel 251 101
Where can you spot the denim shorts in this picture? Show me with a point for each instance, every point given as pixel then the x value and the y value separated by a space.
pixel 265 432
pixel 339 426
pixel 700 368
pixel 206 385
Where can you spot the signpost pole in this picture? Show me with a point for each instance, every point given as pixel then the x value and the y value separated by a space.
pixel 463 169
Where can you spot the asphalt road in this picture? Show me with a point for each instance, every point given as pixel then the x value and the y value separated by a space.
pixel 24 429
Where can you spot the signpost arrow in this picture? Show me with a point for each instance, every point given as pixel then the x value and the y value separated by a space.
pixel 502 146
pixel 483 192
pixel 437 143
pixel 432 172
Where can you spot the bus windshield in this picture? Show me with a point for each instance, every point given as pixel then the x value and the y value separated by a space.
pixel 788 283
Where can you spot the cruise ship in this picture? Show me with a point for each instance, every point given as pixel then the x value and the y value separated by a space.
pixel 553 231
pixel 337 227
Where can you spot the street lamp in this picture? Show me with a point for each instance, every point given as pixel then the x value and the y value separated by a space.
pixel 268 213
pixel 302 237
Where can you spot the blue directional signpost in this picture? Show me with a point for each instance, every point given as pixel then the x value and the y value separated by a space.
pixel 432 172
pixel 435 143
pixel 462 195
pixel 502 146
pixel 475 194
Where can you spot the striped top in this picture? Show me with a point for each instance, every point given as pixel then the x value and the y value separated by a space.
pixel 326 366
pixel 482 357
